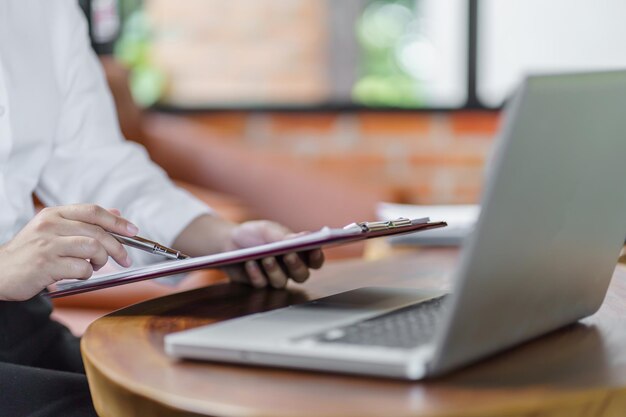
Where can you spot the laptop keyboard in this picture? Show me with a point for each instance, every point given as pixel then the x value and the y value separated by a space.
pixel 406 328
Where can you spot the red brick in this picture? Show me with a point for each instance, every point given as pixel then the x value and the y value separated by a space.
pixel 299 123
pixel 389 123
pixel 362 168
pixel 248 47
pixel 474 122
pixel 223 123
pixel 417 194
pixel 447 159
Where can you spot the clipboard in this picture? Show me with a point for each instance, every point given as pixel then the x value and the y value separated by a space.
pixel 325 237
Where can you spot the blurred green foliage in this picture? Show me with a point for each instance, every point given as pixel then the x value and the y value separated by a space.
pixel 147 81
pixel 382 80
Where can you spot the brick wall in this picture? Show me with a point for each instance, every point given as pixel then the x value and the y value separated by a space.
pixel 425 158
pixel 241 51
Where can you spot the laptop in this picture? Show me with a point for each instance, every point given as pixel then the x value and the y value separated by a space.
pixel 552 223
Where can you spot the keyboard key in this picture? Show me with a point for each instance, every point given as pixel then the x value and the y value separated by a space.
pixel 406 328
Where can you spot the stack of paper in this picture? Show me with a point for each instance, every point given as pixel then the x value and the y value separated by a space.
pixel 460 218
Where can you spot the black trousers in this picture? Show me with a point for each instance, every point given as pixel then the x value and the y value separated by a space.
pixel 41 370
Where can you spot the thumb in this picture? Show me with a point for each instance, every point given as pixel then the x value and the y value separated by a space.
pixel 115 211
pixel 258 233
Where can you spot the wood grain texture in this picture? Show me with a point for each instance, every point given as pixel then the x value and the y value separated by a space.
pixel 579 371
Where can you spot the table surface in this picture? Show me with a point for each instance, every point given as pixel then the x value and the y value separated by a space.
pixel 576 371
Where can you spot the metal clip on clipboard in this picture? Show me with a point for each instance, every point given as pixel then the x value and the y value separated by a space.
pixel 381 225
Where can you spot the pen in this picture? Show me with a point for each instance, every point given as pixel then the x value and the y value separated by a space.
pixel 149 246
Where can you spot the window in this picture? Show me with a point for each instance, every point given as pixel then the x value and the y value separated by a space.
pixel 291 53
pixel 361 53
pixel 412 54
pixel 516 37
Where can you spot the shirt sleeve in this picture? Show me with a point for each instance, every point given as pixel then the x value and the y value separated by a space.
pixel 90 160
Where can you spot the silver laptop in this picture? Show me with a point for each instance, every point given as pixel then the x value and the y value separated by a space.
pixel 552 223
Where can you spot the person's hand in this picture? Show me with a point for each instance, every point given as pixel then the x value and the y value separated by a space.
pixel 208 234
pixel 269 271
pixel 59 243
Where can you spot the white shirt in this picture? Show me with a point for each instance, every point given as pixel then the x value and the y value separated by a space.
pixel 59 136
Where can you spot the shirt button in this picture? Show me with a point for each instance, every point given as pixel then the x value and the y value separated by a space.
pixel 1 111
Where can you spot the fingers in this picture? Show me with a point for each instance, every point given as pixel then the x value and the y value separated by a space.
pixel 90 221
pixel 115 211
pixel 71 268
pixel 269 270
pixel 260 274
pixel 275 274
pixel 84 248
pixel 93 214
pixel 248 273
pixel 296 268
pixel 256 276
pixel 315 259
pixel 292 266
pixel 273 232
pixel 256 233
pixel 237 274
pixel 111 245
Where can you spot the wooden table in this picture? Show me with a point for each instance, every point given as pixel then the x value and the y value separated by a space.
pixel 579 371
